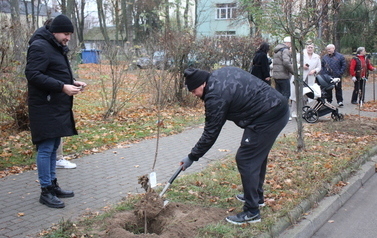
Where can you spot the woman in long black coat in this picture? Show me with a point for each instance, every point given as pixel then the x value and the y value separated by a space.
pixel 260 65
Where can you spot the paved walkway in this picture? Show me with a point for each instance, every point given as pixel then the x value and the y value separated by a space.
pixel 105 178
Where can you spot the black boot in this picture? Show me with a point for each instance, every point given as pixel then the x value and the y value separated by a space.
pixel 49 198
pixel 60 193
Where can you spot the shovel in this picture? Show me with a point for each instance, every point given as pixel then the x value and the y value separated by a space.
pixel 175 175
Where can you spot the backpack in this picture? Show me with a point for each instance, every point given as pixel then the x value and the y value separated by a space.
pixel 358 67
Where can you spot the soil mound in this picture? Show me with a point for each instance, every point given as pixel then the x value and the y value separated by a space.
pixel 173 220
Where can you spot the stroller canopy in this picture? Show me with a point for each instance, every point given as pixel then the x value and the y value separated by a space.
pixel 325 81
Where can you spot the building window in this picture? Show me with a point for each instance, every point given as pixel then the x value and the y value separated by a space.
pixel 226 34
pixel 226 11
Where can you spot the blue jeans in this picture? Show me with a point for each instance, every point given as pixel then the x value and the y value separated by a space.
pixel 46 160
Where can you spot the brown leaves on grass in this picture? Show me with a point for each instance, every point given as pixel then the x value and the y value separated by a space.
pixel 135 123
pixel 369 106
pixel 331 147
pixel 17 170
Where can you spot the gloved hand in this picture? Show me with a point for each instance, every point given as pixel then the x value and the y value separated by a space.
pixel 354 78
pixel 186 162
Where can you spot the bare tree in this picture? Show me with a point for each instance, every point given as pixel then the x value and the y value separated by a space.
pixel 185 14
pixel 127 19
pixel 16 24
pixel 102 21
pixel 80 22
pixel 118 87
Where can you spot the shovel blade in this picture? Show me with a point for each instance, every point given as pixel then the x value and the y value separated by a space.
pixel 153 179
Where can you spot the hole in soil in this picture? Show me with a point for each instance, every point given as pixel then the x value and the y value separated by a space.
pixel 174 220
pixel 151 219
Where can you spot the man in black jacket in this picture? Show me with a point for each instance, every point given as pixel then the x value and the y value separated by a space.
pixel 51 87
pixel 233 94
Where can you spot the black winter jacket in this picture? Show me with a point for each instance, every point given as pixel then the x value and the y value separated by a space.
pixel 47 70
pixel 261 67
pixel 236 95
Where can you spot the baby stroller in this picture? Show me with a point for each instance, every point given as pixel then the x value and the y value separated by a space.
pixel 318 93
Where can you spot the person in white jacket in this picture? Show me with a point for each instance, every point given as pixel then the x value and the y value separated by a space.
pixel 312 66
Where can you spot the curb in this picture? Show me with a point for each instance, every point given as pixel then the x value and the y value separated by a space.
pixel 321 208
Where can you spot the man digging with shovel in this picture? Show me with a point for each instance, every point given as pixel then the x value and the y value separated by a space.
pixel 233 94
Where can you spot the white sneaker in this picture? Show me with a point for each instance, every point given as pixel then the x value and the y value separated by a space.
pixel 65 164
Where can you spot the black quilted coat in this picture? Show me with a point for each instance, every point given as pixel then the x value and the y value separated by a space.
pixel 47 70
pixel 236 95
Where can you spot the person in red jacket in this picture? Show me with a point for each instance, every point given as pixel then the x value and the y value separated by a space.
pixel 359 67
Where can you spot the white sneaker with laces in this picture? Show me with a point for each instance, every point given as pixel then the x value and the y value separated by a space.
pixel 65 164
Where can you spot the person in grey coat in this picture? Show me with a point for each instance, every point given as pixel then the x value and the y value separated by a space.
pixel 233 94
pixel 51 88
pixel 283 68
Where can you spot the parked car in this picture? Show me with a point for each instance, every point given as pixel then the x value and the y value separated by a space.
pixel 158 60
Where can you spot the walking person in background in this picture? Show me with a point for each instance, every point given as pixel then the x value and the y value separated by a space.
pixel 233 94
pixel 61 162
pixel 283 68
pixel 260 64
pixel 334 64
pixel 312 66
pixel 359 67
pixel 51 87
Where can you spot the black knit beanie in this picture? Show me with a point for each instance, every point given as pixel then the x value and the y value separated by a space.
pixel 195 78
pixel 61 24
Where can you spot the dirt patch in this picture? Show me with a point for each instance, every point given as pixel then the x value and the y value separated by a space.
pixel 174 220
pixel 151 218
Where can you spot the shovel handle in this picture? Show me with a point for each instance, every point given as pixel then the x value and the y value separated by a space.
pixel 171 180
pixel 175 174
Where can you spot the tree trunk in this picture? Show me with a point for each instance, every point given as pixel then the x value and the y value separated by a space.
pixel 128 16
pixel 80 16
pixel 178 16
pixel 185 14
pixel 298 89
pixel 167 16
pixel 16 24
pixel 335 32
pixel 102 21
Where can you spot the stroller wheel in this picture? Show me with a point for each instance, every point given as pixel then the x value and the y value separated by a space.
pixel 340 117
pixel 304 110
pixel 311 116
pixel 334 116
pixel 337 116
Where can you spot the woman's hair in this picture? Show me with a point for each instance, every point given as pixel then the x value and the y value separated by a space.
pixel 264 47
pixel 359 50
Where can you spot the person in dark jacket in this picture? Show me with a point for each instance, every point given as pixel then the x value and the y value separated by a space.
pixel 261 66
pixel 233 94
pixel 334 64
pixel 51 88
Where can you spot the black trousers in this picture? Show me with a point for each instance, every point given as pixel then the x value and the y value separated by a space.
pixel 359 87
pixel 283 86
pixel 338 93
pixel 251 157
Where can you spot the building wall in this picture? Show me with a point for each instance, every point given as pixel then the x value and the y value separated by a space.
pixel 209 23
